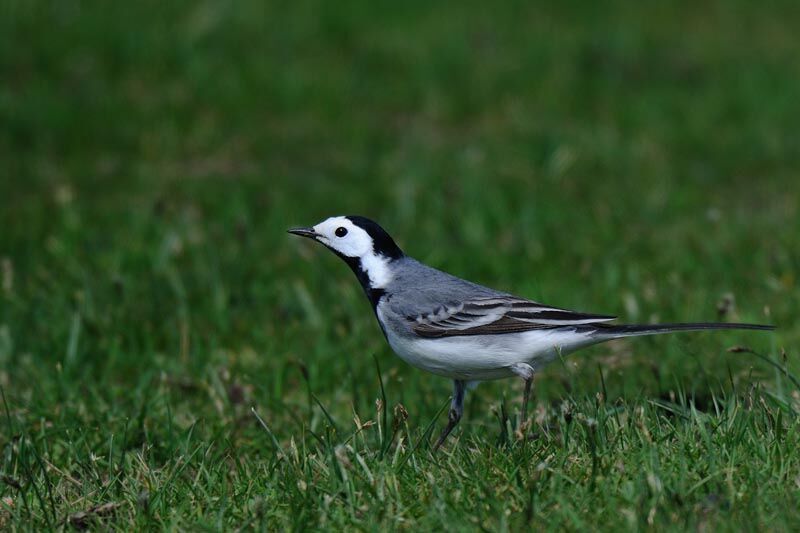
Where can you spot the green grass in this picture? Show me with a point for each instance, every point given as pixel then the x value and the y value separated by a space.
pixel 622 159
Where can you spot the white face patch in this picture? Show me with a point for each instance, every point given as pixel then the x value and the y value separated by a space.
pixel 341 235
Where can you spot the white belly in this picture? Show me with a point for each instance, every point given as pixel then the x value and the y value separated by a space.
pixel 485 357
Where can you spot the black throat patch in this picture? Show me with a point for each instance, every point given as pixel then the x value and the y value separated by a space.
pixel 373 295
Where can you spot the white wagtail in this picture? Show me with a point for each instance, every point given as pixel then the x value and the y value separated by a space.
pixel 463 331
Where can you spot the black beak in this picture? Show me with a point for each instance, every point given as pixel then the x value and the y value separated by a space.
pixel 304 232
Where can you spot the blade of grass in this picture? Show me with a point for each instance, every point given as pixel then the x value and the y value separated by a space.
pixel 768 360
pixel 326 413
pixel 425 434
pixel 384 417
pixel 275 444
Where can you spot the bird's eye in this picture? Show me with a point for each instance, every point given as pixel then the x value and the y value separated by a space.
pixel 341 232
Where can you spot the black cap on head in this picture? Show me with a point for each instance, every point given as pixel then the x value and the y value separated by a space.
pixel 382 242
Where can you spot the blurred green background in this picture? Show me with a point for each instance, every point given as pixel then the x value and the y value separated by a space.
pixel 621 158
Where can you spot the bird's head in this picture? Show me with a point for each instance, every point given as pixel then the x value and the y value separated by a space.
pixel 362 243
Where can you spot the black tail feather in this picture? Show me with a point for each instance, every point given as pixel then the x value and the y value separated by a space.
pixel 632 330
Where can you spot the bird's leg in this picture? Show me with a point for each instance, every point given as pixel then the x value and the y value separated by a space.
pixel 456 409
pixel 525 397
pixel 525 371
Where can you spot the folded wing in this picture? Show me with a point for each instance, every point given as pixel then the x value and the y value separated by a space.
pixel 496 315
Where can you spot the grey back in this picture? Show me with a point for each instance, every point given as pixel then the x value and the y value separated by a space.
pixel 419 289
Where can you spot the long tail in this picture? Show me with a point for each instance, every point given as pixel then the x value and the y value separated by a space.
pixel 633 330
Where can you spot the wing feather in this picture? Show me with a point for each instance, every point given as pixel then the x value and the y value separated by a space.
pixel 497 315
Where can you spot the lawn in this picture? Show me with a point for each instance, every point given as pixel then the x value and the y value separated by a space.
pixel 171 359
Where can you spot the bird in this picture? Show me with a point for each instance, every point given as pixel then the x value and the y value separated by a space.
pixel 460 330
